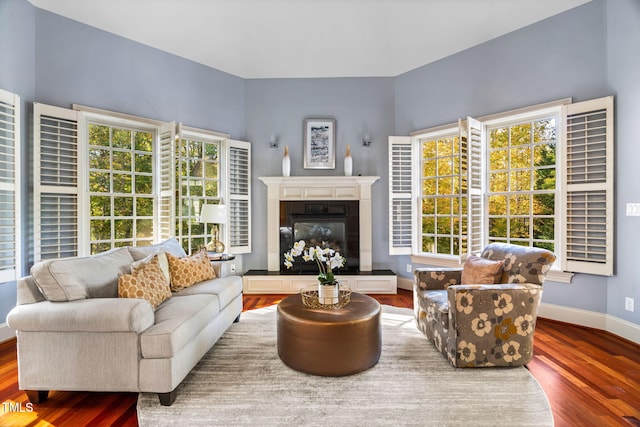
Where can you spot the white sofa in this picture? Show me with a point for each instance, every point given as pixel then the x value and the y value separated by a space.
pixel 74 333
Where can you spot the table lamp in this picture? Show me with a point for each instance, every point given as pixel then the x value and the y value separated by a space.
pixel 214 214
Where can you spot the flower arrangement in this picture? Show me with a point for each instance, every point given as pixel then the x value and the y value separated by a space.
pixel 326 258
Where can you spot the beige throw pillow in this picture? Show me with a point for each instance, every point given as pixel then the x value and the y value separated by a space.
pixel 147 282
pixel 190 270
pixel 481 271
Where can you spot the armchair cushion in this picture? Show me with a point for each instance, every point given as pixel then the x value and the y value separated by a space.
pixel 479 270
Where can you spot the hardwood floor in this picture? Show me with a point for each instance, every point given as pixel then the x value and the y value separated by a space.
pixel 592 378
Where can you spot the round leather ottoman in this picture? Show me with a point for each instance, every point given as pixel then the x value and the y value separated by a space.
pixel 329 342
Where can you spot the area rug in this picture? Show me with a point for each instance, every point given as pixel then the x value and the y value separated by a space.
pixel 242 382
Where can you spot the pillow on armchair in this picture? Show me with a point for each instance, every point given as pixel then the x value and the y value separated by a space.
pixel 481 271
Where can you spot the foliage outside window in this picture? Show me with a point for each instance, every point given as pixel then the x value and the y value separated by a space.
pixel 197 183
pixel 121 192
pixel 443 205
pixel 520 190
pixel 522 183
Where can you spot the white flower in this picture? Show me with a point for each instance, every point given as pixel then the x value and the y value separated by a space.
pixel 326 259
pixel 298 247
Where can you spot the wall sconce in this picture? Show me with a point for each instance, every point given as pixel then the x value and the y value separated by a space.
pixel 273 141
pixel 366 140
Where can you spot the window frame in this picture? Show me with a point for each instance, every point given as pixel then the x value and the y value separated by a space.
pixel 128 125
pixel 515 119
pixel 185 133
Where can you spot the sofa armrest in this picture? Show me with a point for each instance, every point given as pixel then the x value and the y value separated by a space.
pixel 85 315
pixel 435 278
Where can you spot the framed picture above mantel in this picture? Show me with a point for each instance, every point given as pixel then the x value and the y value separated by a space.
pixel 319 143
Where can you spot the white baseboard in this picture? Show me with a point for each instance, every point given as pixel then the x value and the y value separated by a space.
pixel 6 333
pixel 615 325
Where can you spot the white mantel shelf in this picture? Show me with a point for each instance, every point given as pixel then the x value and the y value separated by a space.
pixel 319 187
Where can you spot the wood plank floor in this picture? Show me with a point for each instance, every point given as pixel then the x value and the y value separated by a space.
pixel 592 378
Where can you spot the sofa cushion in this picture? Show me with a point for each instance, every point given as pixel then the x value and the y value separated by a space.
pixel 171 246
pixel 69 279
pixel 178 321
pixel 147 282
pixel 226 288
pixel 479 270
pixel 188 271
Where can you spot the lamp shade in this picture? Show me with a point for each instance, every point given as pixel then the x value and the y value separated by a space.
pixel 213 214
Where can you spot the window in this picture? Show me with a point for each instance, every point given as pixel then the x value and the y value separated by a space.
pixel 508 178
pixel 521 181
pixel 121 191
pixel 443 185
pixel 105 180
pixel 197 183
pixel 10 229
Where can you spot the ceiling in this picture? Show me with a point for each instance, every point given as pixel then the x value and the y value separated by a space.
pixel 309 38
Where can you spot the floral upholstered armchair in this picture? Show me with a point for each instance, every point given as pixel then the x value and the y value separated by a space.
pixel 483 314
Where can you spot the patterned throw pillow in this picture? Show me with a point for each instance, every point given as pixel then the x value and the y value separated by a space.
pixel 481 271
pixel 163 262
pixel 147 282
pixel 190 270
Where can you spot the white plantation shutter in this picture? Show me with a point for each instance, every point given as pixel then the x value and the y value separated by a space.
pixel 166 181
pixel 10 226
pixel 401 197
pixel 239 196
pixel 588 156
pixel 472 162
pixel 57 209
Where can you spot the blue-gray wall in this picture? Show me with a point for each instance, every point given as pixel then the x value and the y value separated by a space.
pixel 359 105
pixel 587 52
pixel 17 69
pixel 623 62
pixel 79 64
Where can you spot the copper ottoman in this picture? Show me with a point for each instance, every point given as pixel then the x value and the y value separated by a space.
pixel 329 342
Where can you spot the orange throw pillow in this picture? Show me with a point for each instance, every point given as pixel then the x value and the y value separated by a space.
pixel 190 270
pixel 147 282
pixel 481 271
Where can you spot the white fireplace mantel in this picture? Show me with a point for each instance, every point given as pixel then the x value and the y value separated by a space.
pixel 318 188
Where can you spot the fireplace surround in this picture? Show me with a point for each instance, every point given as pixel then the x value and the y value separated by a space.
pixel 328 191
